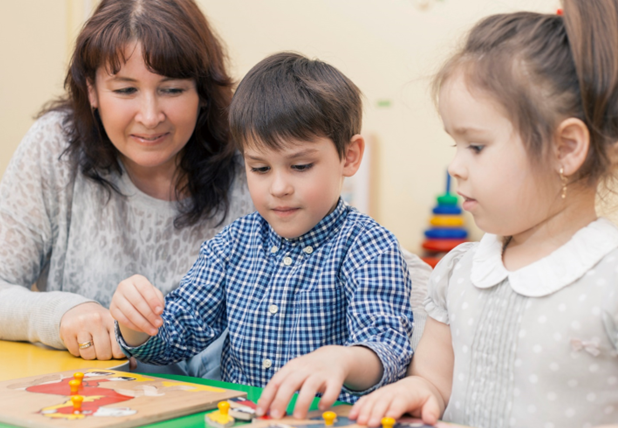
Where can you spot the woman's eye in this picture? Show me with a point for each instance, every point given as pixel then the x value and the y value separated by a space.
pixel 260 169
pixel 125 91
pixel 476 148
pixel 173 91
pixel 303 167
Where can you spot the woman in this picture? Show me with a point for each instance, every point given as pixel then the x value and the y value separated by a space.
pixel 129 173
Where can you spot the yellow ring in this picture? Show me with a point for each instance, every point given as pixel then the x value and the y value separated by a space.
pixel 85 345
pixel 446 221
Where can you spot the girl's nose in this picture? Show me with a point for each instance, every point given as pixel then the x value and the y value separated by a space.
pixel 456 168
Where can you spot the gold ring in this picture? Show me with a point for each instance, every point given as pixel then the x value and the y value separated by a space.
pixel 85 345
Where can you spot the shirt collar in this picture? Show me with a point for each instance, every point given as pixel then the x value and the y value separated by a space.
pixel 330 224
pixel 551 273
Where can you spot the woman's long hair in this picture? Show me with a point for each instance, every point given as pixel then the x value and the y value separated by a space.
pixel 177 42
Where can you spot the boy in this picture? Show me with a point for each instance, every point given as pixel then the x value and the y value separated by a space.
pixel 315 294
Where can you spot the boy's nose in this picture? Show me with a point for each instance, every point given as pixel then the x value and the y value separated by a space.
pixel 281 186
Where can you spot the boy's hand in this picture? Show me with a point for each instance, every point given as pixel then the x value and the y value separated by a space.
pixel 137 305
pixel 323 370
pixel 412 395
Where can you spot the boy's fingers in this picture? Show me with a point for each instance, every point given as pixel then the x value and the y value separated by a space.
pixel 268 393
pixel 305 397
pixel 332 391
pixel 128 316
pixel 134 297
pixel 151 296
pixel 288 387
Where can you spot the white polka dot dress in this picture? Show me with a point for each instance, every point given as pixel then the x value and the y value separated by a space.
pixel 536 347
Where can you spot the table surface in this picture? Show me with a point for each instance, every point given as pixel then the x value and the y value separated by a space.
pixel 20 359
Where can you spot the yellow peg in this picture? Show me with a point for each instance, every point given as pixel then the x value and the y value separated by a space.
pixel 224 407
pixel 74 385
pixel 79 376
pixel 388 422
pixel 220 418
pixel 77 403
pixel 329 418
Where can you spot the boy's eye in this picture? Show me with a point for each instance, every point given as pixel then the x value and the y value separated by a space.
pixel 125 91
pixel 303 167
pixel 260 169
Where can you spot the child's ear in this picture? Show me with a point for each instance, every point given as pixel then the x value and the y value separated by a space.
pixel 353 155
pixel 572 143
pixel 92 95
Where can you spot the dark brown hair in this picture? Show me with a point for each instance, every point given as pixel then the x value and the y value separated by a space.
pixel 176 42
pixel 290 97
pixel 543 69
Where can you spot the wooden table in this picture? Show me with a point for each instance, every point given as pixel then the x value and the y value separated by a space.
pixel 21 359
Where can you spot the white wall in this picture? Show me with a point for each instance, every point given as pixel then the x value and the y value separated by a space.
pixel 389 48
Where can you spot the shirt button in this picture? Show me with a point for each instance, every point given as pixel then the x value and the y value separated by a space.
pixel 273 309
pixel 274 249
pixel 308 249
pixel 266 363
pixel 287 261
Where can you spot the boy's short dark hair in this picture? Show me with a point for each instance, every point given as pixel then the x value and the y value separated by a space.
pixel 290 97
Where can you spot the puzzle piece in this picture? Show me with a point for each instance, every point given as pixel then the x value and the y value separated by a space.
pixel 220 418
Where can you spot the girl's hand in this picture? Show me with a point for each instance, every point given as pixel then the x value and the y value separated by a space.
pixel 92 326
pixel 137 305
pixel 412 395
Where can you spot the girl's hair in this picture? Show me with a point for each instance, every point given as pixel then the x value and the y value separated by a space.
pixel 543 69
pixel 177 42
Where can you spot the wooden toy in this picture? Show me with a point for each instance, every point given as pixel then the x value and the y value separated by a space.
pixel 242 409
pixel 78 376
pixel 446 221
pixel 446 231
pixel 329 418
pixel 220 418
pixel 110 398
pixel 77 401
pixel 317 420
pixel 388 422
pixel 74 384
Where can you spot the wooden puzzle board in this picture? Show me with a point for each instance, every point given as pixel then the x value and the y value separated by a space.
pixel 315 420
pixel 111 399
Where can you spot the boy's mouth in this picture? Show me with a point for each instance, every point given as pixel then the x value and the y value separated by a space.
pixel 285 211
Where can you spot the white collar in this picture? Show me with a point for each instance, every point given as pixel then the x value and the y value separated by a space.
pixel 551 273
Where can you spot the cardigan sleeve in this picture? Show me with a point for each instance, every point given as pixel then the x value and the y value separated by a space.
pixel 36 181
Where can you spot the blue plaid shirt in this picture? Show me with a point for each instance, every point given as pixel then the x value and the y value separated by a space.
pixel 344 282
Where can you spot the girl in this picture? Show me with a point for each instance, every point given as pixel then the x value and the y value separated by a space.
pixel 523 326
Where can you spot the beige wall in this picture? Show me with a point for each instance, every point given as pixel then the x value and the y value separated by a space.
pixel 388 47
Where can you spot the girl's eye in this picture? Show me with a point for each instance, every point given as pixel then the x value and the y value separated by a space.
pixel 476 148
pixel 303 167
pixel 125 91
pixel 260 169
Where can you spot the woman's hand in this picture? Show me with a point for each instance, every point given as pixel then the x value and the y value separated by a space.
pixel 87 331
pixel 137 305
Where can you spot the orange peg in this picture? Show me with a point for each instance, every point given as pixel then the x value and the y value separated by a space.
pixel 77 403
pixel 74 384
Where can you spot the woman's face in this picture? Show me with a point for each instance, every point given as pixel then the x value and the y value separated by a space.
pixel 148 117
